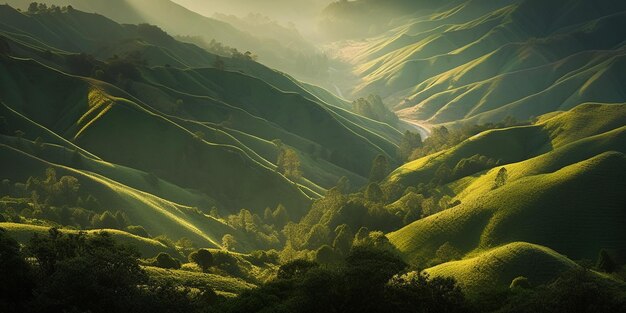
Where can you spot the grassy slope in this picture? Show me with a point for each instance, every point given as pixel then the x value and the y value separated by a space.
pixel 496 268
pixel 223 285
pixel 532 209
pixel 481 62
pixel 90 115
pixel 554 198
pixel 376 135
pixel 519 143
pixel 158 216
pixel 147 247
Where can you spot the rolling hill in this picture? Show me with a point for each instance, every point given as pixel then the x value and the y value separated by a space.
pixel 496 268
pixel 151 126
pixel 563 192
pixel 481 61
pixel 277 52
pixel 172 144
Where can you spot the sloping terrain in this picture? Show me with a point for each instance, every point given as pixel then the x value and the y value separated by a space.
pixel 481 61
pixel 151 127
pixel 563 191
pixel 498 267
pixel 177 20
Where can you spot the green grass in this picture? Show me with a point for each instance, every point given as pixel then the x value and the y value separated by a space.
pixel 147 247
pixel 496 268
pixel 223 285
pixel 568 210
pixel 209 97
pixel 481 63
pixel 156 215
pixel 516 144
pixel 563 194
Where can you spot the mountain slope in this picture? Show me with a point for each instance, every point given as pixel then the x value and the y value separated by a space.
pixel 496 268
pixel 207 102
pixel 562 191
pixel 480 61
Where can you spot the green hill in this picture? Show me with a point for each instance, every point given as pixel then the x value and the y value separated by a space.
pixel 562 191
pixel 151 128
pixel 496 268
pixel 549 209
pixel 147 247
pixel 479 61
pixel 276 51
pixel 520 143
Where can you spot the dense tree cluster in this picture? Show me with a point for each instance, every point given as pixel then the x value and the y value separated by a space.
pixel 117 70
pixel 373 107
pixel 442 138
pixel 61 272
pixel 260 230
pixel 34 8
pixel 53 201
pixel 366 280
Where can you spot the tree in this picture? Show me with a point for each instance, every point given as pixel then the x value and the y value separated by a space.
pixel 318 236
pixel 288 164
pixel 448 252
pixel 229 242
pixel 17 279
pixel 374 193
pixel 343 239
pixel 33 7
pixel 81 273
pixel 326 255
pixel 138 230
pixel 219 63
pixel 164 260
pixel 107 220
pixel 410 141
pixel 380 169
pixel 295 268
pixel 605 262
pixel 501 178
pixel 280 217
pixel 343 185
pixel 203 258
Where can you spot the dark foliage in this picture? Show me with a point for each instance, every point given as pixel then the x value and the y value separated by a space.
pixel 360 284
pixel 203 258
pixel 17 278
pixel 80 273
pixel 577 291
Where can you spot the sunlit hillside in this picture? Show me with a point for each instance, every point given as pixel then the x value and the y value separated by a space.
pixel 241 156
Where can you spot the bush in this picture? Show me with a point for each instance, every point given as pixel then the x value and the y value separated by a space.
pixel 138 230
pixel 164 260
pixel 203 258
pixel 295 269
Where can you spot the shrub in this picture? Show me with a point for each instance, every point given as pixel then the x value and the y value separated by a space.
pixel 164 260
pixel 295 268
pixel 138 230
pixel 203 258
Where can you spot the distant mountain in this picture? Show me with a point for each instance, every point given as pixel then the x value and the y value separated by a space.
pixel 180 21
pixel 480 61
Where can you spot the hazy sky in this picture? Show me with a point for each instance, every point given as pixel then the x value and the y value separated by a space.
pixel 300 12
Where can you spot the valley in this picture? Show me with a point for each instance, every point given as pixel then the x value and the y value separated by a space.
pixel 313 156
